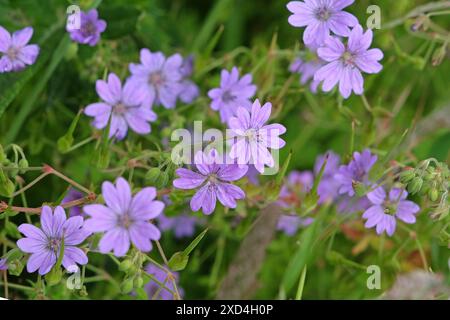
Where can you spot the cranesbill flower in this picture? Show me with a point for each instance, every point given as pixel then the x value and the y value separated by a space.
pixel 44 244
pixel 254 137
pixel 73 195
pixel 15 52
pixel 297 185
pixel 182 225
pixel 3 264
pixel 307 69
pixel 385 210
pixel 189 90
pixel 328 185
pixel 213 180
pixel 161 276
pixel 290 224
pixel 320 17
pixel 346 62
pixel 124 219
pixel 357 171
pixel 90 28
pixel 160 77
pixel 232 94
pixel 125 107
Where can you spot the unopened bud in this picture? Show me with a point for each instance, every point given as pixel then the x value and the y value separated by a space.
pixel 415 185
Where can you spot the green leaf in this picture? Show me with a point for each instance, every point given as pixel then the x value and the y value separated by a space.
pixel 27 106
pixel 194 243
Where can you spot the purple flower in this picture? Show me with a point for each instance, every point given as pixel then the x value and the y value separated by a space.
pixel 307 69
pixel 182 225
pixel 160 275
pixel 73 195
pixel 3 264
pixel 160 77
pixel 213 178
pixel 44 244
pixel 232 94
pixel 189 91
pixel 320 17
pixel 125 218
pixel 345 62
pixel 297 184
pixel 328 185
pixel 90 28
pixel 290 224
pixel 383 212
pixel 15 52
pixel 254 137
pixel 252 175
pixel 357 171
pixel 123 105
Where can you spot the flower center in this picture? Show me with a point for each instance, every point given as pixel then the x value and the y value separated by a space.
pixel 120 109
pixel 53 244
pixel 125 221
pixel 348 58
pixel 323 14
pixel 213 178
pixel 252 135
pixel 12 53
pixel 88 28
pixel 228 97
pixel 156 79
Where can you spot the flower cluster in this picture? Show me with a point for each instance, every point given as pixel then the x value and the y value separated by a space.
pixel 341 185
pixel 15 52
pixel 338 64
pixel 297 185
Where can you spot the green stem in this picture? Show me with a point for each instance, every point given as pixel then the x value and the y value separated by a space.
pixel 301 284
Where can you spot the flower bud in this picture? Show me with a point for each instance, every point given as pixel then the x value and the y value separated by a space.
pixel 23 164
pixel 415 185
pixel 125 265
pixel 138 282
pixel 153 175
pixel 407 175
pixel 162 181
pixel 53 277
pixel 127 286
pixel 360 188
pixel 433 194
